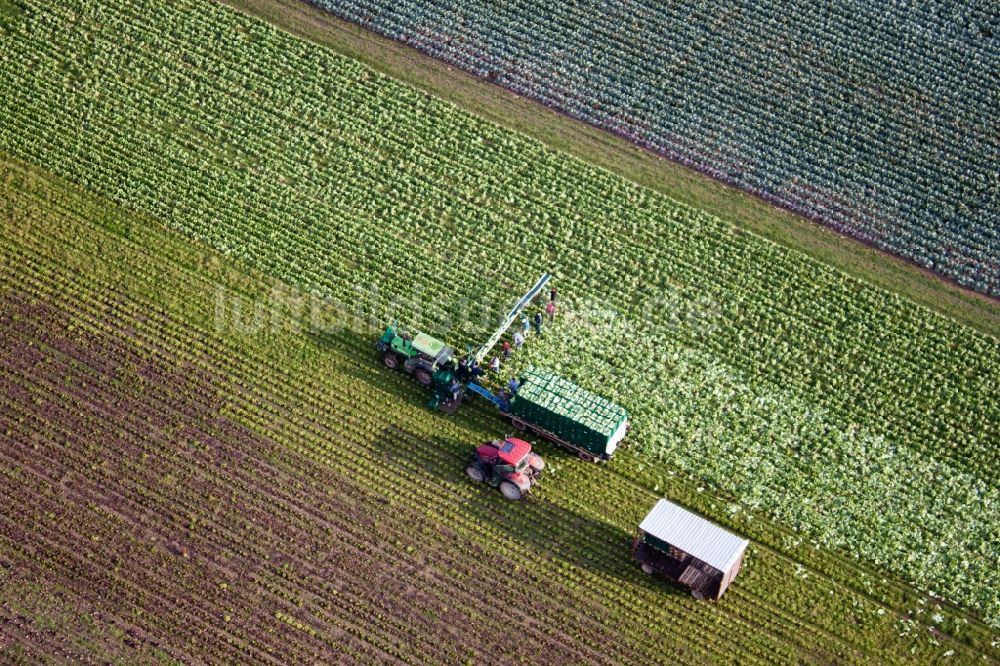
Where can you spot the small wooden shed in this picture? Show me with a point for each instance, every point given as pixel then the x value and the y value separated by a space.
pixel 688 549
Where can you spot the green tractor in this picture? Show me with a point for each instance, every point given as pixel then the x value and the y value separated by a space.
pixel 421 355
pixel 433 363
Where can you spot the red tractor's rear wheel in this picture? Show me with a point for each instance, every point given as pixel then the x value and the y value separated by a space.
pixel 423 377
pixel 510 491
pixel 391 360
pixel 475 473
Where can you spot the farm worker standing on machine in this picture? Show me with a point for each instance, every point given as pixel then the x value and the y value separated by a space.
pixel 538 323
pixel 503 396
pixel 455 388
pixel 513 385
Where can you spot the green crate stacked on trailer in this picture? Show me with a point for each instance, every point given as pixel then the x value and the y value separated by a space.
pixel 571 413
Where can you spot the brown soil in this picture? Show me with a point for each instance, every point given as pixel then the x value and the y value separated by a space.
pixel 141 521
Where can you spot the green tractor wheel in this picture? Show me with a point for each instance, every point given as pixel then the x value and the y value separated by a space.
pixel 423 377
pixel 391 360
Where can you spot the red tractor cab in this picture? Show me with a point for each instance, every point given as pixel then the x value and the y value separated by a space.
pixel 508 464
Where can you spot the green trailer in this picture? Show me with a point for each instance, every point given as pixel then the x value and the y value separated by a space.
pixel 557 409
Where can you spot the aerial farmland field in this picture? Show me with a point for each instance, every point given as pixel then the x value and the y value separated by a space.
pixel 207 223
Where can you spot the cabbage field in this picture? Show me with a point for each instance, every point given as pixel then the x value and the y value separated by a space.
pixel 878 119
pixel 179 492
pixel 255 487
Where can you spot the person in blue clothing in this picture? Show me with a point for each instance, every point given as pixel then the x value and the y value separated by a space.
pixel 525 326
pixel 503 398
pixel 513 385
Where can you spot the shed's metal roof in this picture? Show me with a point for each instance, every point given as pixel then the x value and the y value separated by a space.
pixel 693 534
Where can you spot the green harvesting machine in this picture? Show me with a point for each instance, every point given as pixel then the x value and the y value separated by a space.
pixel 421 355
pixel 546 404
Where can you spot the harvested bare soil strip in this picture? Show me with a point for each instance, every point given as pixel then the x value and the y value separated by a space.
pixel 137 502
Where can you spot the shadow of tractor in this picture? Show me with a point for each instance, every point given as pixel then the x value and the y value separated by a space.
pixel 551 530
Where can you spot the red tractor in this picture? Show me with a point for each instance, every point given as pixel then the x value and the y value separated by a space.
pixel 507 463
